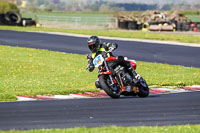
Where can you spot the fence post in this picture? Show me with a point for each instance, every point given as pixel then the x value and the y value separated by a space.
pixel 116 23
pixel 77 20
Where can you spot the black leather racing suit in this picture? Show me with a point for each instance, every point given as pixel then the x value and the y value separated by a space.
pixel 105 49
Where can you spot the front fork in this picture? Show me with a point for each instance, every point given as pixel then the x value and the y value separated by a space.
pixel 107 68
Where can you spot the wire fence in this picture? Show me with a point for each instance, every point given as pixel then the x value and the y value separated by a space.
pixel 74 22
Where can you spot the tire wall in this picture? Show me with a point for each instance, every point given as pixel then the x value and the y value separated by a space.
pixel 198 27
pixel 183 26
pixel 123 25
pixel 132 25
pixel 177 26
pixel 27 22
pixel 195 27
pixel 186 26
pixel 15 19
pixel 2 19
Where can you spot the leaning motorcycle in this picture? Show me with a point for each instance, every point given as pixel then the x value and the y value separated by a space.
pixel 115 80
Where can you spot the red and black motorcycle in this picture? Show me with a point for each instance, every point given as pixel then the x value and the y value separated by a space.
pixel 115 80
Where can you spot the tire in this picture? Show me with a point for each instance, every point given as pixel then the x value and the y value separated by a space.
pixel 153 23
pixel 2 19
pixel 123 25
pixel 174 23
pixel 139 26
pixel 103 82
pixel 143 89
pixel 179 26
pixel 13 18
pixel 132 25
pixel 186 26
pixel 28 22
pixel 198 26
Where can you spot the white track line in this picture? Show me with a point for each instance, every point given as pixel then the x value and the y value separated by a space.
pixel 23 98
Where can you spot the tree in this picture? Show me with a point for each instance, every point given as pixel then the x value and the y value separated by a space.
pixel 6 6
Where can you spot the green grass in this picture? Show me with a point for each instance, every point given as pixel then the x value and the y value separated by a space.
pixel 194 18
pixel 114 129
pixel 115 33
pixel 30 72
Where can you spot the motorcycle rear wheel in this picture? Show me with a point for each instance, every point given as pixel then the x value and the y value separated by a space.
pixel 107 88
pixel 143 89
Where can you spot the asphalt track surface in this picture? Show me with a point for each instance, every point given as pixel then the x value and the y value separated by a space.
pixel 167 109
pixel 140 51
pixel 170 109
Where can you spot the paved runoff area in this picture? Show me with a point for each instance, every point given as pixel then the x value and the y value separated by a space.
pixel 102 94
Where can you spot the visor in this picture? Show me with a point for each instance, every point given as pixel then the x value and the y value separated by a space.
pixel 89 44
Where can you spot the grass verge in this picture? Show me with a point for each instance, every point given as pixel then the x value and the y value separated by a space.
pixel 30 72
pixel 114 129
pixel 115 33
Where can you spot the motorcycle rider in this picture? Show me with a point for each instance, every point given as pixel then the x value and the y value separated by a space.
pixel 96 47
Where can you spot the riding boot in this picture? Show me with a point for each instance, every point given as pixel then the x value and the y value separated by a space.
pixel 134 75
pixel 97 84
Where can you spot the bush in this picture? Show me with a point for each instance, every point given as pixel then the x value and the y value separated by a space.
pixel 6 7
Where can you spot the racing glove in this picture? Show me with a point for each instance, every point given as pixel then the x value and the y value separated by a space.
pixel 89 57
pixel 90 65
pixel 112 47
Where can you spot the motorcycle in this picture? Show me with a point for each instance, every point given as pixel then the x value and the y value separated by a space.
pixel 115 80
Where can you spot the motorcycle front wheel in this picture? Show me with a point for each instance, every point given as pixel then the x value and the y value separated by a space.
pixel 106 85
